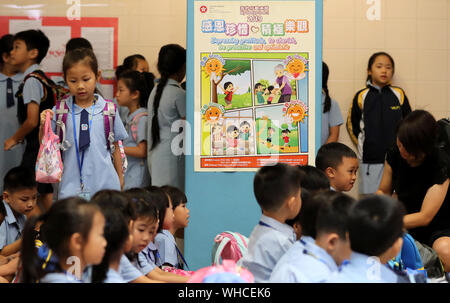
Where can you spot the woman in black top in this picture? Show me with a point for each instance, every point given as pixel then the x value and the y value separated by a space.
pixel 416 171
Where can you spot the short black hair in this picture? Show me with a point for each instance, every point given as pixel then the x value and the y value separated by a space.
pixel 310 209
pixel 19 178
pixel 225 86
pixel 6 46
pixel 313 178
pixel 176 195
pixel 285 131
pixel 35 39
pixel 334 213
pixel 331 155
pixel 375 223
pixel 244 123
pixel 274 184
pixel 78 42
pixel 258 85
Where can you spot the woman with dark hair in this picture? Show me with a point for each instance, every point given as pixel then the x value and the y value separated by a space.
pixel 417 171
pixel 331 114
pixel 166 106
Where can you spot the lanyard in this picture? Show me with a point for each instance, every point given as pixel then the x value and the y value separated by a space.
pixel 80 162
pixel 182 257
pixel 264 224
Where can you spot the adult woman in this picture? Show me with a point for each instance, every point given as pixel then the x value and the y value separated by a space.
pixel 416 170
pixel 166 105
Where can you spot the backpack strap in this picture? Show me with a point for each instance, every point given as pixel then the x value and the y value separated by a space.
pixel 224 239
pixel 135 123
pixel 109 114
pixel 62 111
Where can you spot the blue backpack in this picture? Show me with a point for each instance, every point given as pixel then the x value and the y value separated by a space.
pixel 409 259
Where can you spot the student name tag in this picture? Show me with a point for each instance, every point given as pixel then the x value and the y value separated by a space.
pixel 85 195
pixel 84 126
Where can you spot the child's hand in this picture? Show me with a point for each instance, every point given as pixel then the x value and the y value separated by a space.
pixel 10 143
pixel 44 115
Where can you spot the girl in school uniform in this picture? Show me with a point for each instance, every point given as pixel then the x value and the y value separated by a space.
pixel 88 165
pixel 169 252
pixel 10 80
pixel 132 93
pixel 73 230
pixel 166 105
pixel 331 115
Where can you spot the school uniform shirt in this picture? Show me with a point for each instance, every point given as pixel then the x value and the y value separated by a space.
pixel 165 242
pixel 268 242
pixel 59 278
pixel 33 91
pixel 151 254
pixel 331 118
pixel 166 167
pixel 113 276
pixel 364 269
pixel 11 227
pixel 98 169
pixel 144 263
pixel 304 262
pixel 137 174
pixel 128 271
pixel 9 124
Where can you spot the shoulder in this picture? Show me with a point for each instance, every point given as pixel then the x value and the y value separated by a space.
pixel 398 92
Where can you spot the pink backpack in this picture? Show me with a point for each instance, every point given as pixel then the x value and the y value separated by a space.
pixel 135 123
pixel 49 166
pixel 228 272
pixel 229 246
pixel 109 114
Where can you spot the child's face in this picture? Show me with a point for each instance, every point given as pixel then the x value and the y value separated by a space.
pixel 260 88
pixel 229 88
pixel 142 66
pixel 181 216
pixel 21 201
pixel 123 94
pixel 94 249
pixel 381 71
pixel 344 176
pixel 284 134
pixel 144 231
pixel 19 54
pixel 81 81
pixel 245 128
pixel 169 217
pixel 271 131
pixel 233 134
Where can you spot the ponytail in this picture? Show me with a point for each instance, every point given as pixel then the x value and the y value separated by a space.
pixel 325 74
pixel 171 60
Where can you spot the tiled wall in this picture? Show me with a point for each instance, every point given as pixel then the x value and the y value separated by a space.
pixel 414 32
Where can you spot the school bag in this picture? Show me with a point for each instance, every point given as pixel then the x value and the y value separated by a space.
pixel 228 272
pixel 109 115
pixel 49 165
pixel 135 123
pixel 229 246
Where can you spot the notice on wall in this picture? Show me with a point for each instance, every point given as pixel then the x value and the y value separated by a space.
pixel 254 91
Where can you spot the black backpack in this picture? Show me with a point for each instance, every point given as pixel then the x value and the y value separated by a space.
pixel 444 136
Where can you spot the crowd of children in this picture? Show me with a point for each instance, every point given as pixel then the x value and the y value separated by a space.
pixel 107 222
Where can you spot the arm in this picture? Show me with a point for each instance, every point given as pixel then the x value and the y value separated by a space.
pixel 10 268
pixel 42 122
pixel 158 274
pixel 118 163
pixel 12 248
pixel 431 204
pixel 385 187
pixel 30 123
pixel 334 134
pixel 406 107
pixel 145 279
pixel 139 151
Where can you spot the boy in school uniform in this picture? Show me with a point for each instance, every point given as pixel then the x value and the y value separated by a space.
pixel 339 163
pixel 29 49
pixel 313 260
pixel 19 200
pixel 376 231
pixel 277 191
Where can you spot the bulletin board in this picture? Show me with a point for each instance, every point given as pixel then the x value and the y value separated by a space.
pixel 101 32
pixel 254 88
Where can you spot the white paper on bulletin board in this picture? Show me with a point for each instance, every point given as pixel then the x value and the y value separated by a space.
pixel 58 35
pixel 102 40
pixel 18 25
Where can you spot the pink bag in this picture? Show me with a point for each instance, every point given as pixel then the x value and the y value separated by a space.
pixel 49 167
pixel 227 272
pixel 180 272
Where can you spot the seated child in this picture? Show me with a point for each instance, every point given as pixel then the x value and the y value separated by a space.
pixel 340 164
pixel 168 250
pixel 19 200
pixel 116 233
pixel 376 231
pixel 277 191
pixel 313 261
pixel 144 232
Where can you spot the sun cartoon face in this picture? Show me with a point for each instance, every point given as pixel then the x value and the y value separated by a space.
pixel 296 66
pixel 296 111
pixel 213 65
pixel 213 113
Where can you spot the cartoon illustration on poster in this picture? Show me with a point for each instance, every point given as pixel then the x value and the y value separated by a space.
pixel 255 94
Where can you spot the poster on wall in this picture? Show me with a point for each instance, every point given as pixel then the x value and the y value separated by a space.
pixel 254 87
pixel 101 32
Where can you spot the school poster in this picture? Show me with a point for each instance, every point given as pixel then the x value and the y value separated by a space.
pixel 253 90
